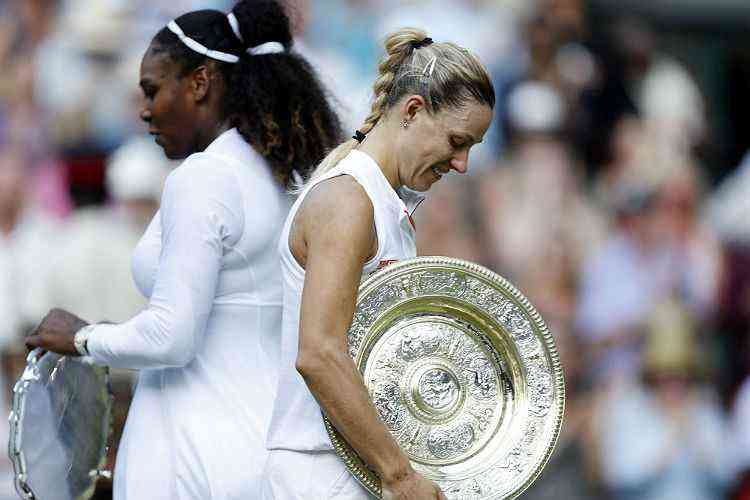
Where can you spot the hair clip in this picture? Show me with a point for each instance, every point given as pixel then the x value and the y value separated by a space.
pixel 358 136
pixel 429 67
pixel 422 43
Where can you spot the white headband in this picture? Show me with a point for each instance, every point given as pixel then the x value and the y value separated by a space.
pixel 199 48
pixel 258 50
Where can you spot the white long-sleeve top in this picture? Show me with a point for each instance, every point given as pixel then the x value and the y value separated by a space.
pixel 207 344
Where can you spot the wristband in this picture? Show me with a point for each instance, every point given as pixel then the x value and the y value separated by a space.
pixel 81 338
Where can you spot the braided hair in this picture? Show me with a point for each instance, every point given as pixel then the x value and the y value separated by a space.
pixel 275 100
pixel 443 73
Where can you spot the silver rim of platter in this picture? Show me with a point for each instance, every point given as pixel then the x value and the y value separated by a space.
pixel 464 373
pixel 60 422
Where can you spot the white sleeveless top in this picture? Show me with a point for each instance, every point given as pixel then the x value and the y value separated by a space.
pixel 296 421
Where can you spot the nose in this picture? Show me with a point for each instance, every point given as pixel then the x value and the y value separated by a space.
pixel 460 162
pixel 146 115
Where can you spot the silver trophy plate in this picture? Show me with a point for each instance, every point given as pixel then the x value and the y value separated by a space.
pixel 59 427
pixel 463 372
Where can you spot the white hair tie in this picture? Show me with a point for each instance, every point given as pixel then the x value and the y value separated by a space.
pixel 258 50
pixel 199 48
pixel 266 48
pixel 235 26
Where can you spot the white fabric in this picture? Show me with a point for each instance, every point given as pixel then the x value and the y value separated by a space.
pixel 235 25
pixel 642 447
pixel 296 423
pixel 25 274
pixel 200 48
pixel 266 48
pixel 137 169
pixel 207 344
pixel 316 475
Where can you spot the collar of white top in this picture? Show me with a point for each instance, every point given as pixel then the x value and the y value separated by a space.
pixel 407 199
pixel 264 48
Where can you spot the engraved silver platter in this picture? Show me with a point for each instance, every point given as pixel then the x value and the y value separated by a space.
pixel 59 427
pixel 463 372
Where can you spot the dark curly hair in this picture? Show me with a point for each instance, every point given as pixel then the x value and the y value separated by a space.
pixel 275 100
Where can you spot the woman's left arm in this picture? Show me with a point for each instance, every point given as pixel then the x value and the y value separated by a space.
pixel 200 215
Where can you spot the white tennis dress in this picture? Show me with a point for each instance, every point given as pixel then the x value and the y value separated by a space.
pixel 302 464
pixel 207 345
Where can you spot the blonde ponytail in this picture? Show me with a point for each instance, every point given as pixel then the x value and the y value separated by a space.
pixel 398 48
pixel 445 74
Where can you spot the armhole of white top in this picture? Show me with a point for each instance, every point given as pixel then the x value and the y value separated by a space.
pixel 379 247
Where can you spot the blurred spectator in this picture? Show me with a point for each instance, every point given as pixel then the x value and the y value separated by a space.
pixel 740 442
pixel 76 82
pixel 481 26
pixel 695 247
pixel 571 471
pixel 92 274
pixel 443 222
pixel 340 72
pixel 727 213
pixel 729 205
pixel 665 94
pixel 664 438
pixel 539 241
pixel 659 247
pixel 27 246
pixel 621 282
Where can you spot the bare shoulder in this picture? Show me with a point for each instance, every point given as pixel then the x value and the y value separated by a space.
pixel 336 216
pixel 339 202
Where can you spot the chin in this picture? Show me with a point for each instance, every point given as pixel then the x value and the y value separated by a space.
pixel 173 155
pixel 426 185
pixel 421 188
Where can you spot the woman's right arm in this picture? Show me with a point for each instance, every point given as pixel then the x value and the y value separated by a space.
pixel 200 215
pixel 336 221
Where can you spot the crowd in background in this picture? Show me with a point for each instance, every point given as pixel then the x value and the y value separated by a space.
pixel 589 193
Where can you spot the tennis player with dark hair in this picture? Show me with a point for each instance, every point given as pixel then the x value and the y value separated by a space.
pixel 226 93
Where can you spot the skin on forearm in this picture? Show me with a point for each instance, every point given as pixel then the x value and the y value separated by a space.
pixel 341 393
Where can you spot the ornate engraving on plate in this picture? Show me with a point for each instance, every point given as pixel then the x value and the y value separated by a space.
pixel 385 398
pixel 444 372
pixel 483 385
pixel 445 443
pixel 462 371
pixel 438 388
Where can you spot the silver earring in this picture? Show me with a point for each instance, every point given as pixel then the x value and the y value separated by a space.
pixel 404 123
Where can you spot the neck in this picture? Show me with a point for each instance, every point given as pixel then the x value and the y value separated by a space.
pixel 379 145
pixel 210 133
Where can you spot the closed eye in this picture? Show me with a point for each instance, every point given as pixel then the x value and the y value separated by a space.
pixel 149 90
